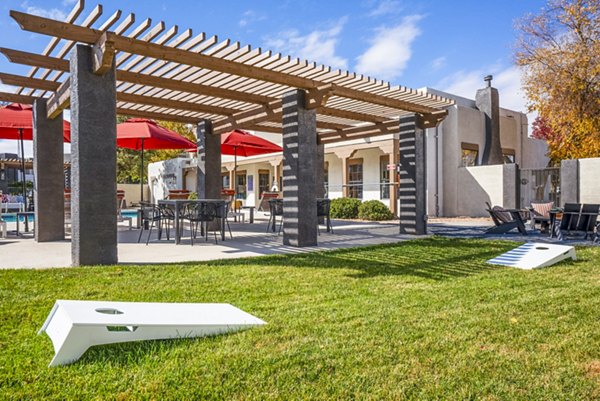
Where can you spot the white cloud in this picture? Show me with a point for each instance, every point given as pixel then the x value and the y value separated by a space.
pixel 390 50
pixel 438 63
pixel 319 46
pixel 68 2
pixel 250 17
pixel 52 13
pixel 385 7
pixel 506 80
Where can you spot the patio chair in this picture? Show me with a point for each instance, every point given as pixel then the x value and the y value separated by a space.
pixel 275 209
pixel 200 213
pixel 323 210
pixel 167 217
pixel 223 214
pixel 151 215
pixel 540 213
pixel 505 220
pixel 588 219
pixel 570 218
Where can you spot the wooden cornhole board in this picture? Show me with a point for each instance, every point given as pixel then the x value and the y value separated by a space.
pixel 533 255
pixel 74 326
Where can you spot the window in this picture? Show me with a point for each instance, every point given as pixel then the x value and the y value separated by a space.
pixel 240 182
pixel 263 181
pixel 225 180
pixel 355 178
pixel 469 154
pixel 508 155
pixel 384 177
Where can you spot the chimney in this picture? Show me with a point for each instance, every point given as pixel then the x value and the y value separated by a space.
pixel 487 102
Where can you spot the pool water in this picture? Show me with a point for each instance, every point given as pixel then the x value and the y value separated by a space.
pixel 12 217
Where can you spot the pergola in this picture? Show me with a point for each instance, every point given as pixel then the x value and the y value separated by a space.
pixel 116 67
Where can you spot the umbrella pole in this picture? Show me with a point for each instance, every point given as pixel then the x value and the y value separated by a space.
pixel 235 179
pixel 142 175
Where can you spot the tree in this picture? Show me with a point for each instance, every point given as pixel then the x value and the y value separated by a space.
pixel 129 161
pixel 559 51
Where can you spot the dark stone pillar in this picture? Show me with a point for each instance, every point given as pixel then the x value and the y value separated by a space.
pixel 487 101
pixel 94 162
pixel 320 176
pixel 299 166
pixel 412 192
pixel 208 170
pixel 48 166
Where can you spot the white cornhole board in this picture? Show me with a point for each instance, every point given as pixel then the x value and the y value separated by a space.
pixel 74 326
pixel 534 254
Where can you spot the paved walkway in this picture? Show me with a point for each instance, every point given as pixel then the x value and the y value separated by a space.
pixel 249 240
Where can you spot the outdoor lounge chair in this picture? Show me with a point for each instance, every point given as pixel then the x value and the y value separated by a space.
pixel 505 220
pixel 588 219
pixel 540 213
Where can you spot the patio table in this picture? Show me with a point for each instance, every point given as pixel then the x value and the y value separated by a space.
pixel 178 204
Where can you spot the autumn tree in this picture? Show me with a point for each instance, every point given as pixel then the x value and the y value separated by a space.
pixel 559 50
pixel 129 161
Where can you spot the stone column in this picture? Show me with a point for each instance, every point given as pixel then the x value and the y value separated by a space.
pixel 94 162
pixel 412 191
pixel 299 164
pixel 209 161
pixel 48 169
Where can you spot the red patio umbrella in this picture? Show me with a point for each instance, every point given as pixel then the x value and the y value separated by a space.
pixel 16 122
pixel 141 133
pixel 242 143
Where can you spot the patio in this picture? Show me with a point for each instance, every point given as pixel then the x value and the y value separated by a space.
pixel 249 240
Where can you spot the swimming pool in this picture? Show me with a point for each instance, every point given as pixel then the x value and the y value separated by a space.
pixel 12 217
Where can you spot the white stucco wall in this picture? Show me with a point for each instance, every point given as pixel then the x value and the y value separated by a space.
pixel 480 184
pixel 589 180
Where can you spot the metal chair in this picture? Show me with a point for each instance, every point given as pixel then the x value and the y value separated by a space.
pixel 223 214
pixel 200 213
pixel 324 210
pixel 150 214
pixel 275 209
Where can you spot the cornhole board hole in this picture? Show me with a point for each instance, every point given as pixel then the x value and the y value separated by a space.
pixel 74 326
pixel 533 255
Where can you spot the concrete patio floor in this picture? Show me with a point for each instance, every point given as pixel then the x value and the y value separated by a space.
pixel 248 240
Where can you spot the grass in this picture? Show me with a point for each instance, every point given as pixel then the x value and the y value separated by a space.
pixel 424 319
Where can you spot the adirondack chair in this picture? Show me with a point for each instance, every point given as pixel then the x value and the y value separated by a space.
pixel 505 220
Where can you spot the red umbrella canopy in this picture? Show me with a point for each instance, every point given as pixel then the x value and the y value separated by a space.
pixel 132 132
pixel 245 144
pixel 17 116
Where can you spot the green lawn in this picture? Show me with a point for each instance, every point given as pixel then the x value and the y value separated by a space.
pixel 425 319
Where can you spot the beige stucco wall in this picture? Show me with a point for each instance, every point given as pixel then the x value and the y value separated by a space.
pixel 132 193
pixel 589 180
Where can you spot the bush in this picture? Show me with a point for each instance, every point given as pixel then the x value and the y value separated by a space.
pixel 374 210
pixel 344 208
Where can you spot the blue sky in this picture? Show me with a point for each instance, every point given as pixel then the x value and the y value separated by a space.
pixel 447 45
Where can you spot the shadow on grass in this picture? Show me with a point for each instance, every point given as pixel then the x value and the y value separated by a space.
pixel 433 258
pixel 136 352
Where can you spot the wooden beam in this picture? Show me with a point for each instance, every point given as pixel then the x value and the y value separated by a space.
pixel 60 100
pixel 156 116
pixel 27 82
pixel 47 26
pixel 174 104
pixel 35 60
pixel 16 98
pixel 103 54
pixel 189 87
pixel 318 97
pixel 269 112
